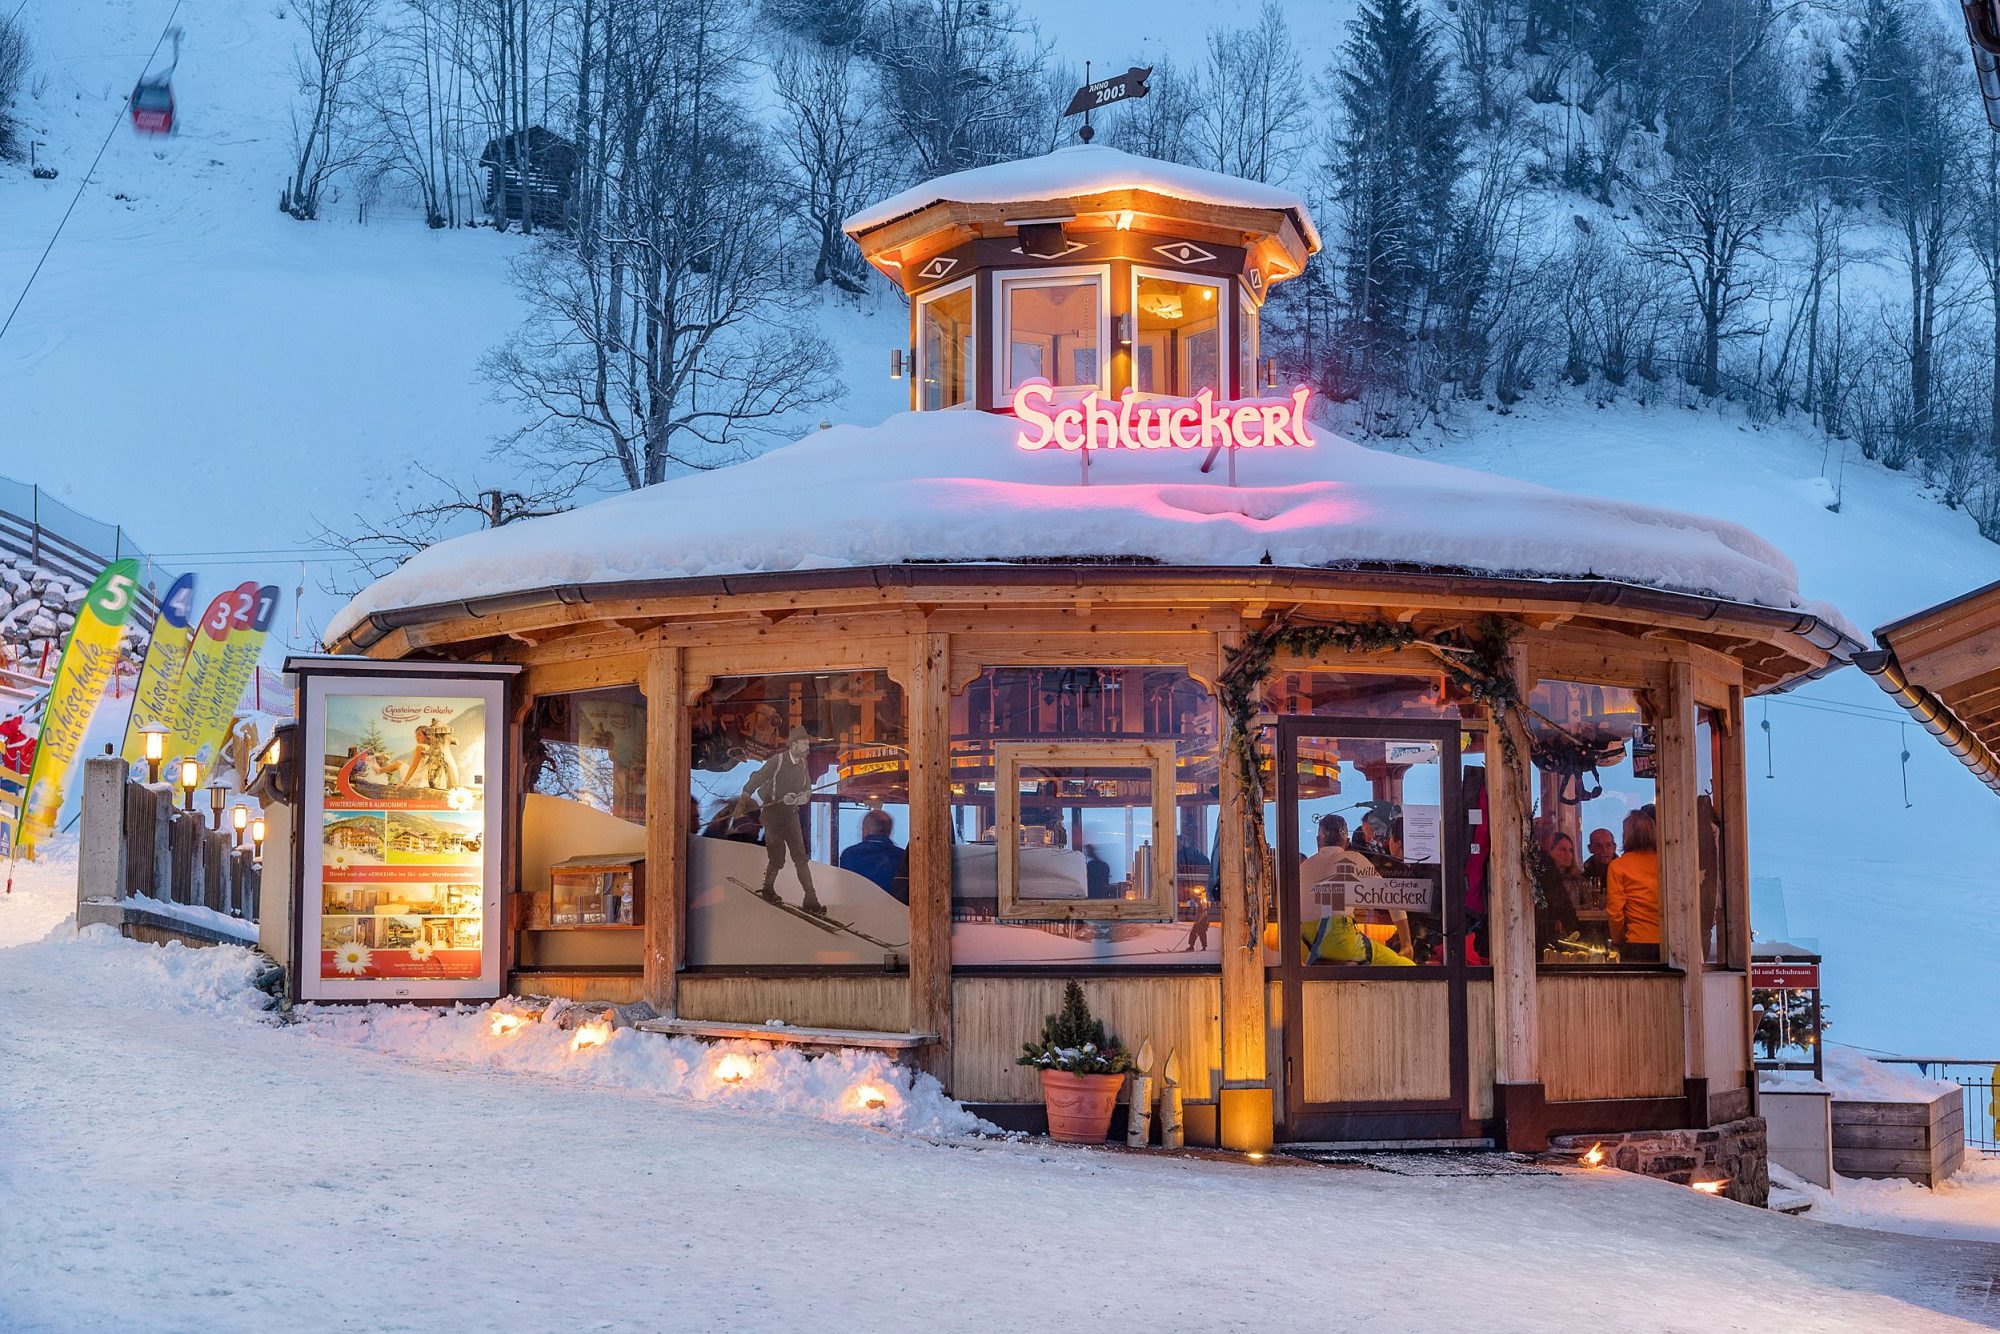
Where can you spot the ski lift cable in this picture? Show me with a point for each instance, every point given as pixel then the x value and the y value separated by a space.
pixel 118 120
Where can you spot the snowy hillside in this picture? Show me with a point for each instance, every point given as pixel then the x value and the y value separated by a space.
pixel 215 376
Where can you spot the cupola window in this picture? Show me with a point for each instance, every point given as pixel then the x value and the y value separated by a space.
pixel 945 347
pixel 1177 346
pixel 1054 330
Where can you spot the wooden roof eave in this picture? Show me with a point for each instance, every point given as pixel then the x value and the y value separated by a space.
pixel 1778 648
pixel 916 236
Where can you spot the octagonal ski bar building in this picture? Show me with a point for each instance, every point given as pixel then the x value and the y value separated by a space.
pixel 1401 802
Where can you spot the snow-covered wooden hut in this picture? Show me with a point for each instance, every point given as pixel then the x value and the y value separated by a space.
pixel 1405 803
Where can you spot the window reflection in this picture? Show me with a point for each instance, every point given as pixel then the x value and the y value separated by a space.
pixel 1177 348
pixel 945 331
pixel 1052 332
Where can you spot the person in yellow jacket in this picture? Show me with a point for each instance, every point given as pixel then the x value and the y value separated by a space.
pixel 1632 891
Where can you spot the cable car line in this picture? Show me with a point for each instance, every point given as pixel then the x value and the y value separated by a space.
pixel 75 198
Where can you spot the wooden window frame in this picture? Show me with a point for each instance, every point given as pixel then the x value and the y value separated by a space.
pixel 920 363
pixel 1225 342
pixel 1006 281
pixel 1009 757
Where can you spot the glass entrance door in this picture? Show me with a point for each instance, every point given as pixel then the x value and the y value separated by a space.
pixel 1370 929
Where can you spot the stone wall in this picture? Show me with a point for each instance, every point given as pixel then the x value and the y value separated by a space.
pixel 1734 1152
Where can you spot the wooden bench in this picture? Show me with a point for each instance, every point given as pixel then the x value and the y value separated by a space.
pixel 790 1034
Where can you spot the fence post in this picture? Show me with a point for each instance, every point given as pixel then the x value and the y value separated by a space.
pixel 100 861
pixel 35 522
pixel 187 858
pixel 215 878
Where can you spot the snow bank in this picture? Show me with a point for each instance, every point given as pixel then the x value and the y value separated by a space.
pixel 1084 169
pixel 953 486
pixel 1966 1205
pixel 775 1081
pixel 1855 1078
pixel 195 915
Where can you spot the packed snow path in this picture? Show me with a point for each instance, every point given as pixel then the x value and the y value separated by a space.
pixel 168 1161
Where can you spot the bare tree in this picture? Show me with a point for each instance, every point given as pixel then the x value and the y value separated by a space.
pixel 13 73
pixel 1252 104
pixel 327 136
pixel 660 336
pixel 957 82
pixel 1160 124
pixel 379 546
pixel 833 155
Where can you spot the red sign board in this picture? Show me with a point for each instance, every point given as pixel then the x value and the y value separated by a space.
pixel 1784 976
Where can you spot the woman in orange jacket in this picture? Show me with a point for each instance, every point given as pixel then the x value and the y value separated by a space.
pixel 1632 891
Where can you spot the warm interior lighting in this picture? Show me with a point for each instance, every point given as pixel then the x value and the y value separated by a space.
pixel 1594 1156
pixel 869 1097
pixel 734 1067
pixel 593 1034
pixel 502 1024
pixel 1710 1187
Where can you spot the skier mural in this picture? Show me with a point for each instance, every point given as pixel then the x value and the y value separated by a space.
pixel 800 783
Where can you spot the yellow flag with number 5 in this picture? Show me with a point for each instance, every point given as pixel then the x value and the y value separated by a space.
pixel 89 654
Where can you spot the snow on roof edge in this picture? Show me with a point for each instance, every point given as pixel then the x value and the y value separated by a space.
pixel 1076 169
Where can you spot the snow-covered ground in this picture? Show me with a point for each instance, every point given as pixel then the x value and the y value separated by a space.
pixel 172 1160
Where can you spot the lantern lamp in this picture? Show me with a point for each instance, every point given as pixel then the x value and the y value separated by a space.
pixel 155 736
pixel 257 837
pixel 190 780
pixel 218 797
pixel 239 819
pixel 895 363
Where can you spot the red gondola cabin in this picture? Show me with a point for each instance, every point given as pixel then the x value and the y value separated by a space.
pixel 153 107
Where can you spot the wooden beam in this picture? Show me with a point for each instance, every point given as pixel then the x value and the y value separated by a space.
pixel 1734 782
pixel 1510 898
pixel 1682 937
pixel 1248 1112
pixel 930 848
pixel 667 830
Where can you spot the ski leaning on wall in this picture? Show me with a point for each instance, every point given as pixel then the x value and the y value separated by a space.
pixel 90 652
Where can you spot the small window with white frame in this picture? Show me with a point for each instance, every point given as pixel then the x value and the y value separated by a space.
pixel 945 347
pixel 1178 333
pixel 1119 798
pixel 1052 326
pixel 1247 348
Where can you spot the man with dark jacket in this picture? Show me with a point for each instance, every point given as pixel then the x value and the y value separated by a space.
pixel 877 857
pixel 784 785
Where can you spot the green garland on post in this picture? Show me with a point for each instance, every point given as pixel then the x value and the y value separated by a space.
pixel 1475 661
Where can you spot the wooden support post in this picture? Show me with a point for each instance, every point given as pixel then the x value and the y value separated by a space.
pixel 667 829
pixel 1510 925
pixel 1682 938
pixel 1247 1111
pixel 930 849
pixel 1733 779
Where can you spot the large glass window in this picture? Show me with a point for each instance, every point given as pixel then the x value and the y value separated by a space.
pixel 944 347
pixel 590 748
pixel 1053 330
pixel 584 817
pixel 1177 343
pixel 1597 825
pixel 1718 894
pixel 1090 753
pixel 802 786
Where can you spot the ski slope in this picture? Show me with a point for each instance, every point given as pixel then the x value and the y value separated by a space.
pixel 217 377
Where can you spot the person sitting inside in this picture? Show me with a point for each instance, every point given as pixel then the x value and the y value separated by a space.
pixel 1555 914
pixel 877 857
pixel 1603 851
pixel 1326 924
pixel 1632 892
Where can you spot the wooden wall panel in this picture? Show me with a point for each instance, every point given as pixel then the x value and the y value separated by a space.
pixel 993 1016
pixel 1611 1037
pixel 1726 1010
pixel 1479 1047
pixel 616 989
pixel 1375 1041
pixel 873 1004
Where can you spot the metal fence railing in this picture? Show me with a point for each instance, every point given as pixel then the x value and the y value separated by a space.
pixel 37 527
pixel 1976 1078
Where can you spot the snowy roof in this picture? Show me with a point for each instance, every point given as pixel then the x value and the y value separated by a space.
pixel 954 487
pixel 1085 169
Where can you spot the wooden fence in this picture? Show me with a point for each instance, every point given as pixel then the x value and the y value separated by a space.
pixel 139 857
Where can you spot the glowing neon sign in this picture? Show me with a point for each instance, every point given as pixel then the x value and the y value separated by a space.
pixel 1130 422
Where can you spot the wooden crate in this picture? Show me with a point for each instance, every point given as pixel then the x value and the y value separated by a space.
pixel 1916 1141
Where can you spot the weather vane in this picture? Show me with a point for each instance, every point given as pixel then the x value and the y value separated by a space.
pixel 1117 88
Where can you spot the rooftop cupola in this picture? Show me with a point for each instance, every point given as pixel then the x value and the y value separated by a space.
pixel 1090 268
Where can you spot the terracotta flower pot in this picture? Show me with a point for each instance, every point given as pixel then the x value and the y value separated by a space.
pixel 1080 1106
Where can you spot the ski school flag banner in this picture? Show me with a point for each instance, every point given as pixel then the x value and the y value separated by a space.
pixel 157 698
pixel 219 663
pixel 89 653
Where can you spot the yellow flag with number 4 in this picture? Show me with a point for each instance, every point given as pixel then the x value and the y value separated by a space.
pixel 89 653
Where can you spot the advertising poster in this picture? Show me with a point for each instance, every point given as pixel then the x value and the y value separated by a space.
pixel 155 700
pixel 400 852
pixel 89 654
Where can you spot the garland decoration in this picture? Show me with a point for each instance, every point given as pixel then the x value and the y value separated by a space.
pixel 1476 661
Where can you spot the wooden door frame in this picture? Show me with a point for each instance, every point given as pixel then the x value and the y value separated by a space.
pixel 1401 1119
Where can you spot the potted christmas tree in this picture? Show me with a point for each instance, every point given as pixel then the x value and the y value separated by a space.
pixel 1082 1070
